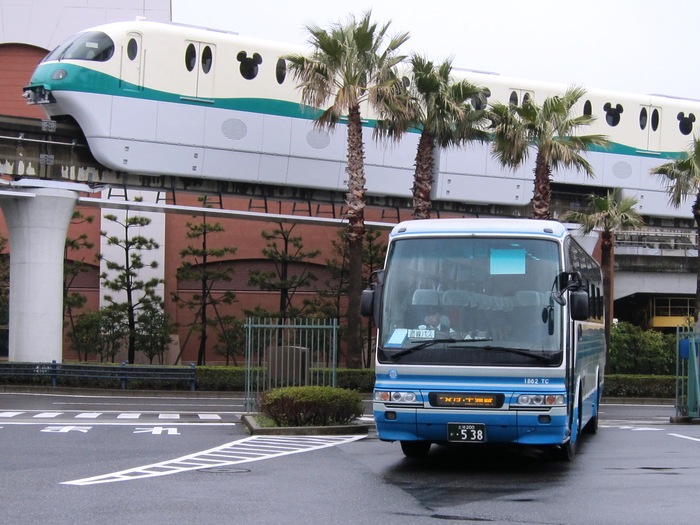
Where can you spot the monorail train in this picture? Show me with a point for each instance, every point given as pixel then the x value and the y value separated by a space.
pixel 168 99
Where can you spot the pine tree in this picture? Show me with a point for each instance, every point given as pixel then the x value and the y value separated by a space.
pixel 198 266
pixel 123 276
pixel 291 268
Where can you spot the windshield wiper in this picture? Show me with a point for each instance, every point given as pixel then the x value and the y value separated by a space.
pixel 544 357
pixel 422 346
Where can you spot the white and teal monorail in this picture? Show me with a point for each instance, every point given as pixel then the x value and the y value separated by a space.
pixel 489 331
pixel 167 99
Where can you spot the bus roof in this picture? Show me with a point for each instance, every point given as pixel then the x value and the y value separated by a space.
pixel 480 226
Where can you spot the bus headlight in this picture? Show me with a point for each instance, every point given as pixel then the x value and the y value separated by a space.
pixel 540 400
pixel 395 397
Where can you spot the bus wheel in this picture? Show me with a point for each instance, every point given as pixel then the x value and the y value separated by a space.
pixel 592 425
pixel 567 452
pixel 415 449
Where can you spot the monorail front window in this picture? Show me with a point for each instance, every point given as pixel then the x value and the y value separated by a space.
pixel 93 45
pixel 472 301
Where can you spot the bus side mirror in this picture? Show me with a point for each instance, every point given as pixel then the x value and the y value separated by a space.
pixel 367 302
pixel 578 305
pixel 372 297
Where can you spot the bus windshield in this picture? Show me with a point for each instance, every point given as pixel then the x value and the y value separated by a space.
pixel 472 301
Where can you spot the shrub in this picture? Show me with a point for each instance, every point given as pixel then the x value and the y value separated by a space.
pixel 657 387
pixel 637 351
pixel 303 406
pixel 361 380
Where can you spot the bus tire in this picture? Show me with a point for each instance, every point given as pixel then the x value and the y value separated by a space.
pixel 592 425
pixel 415 449
pixel 567 451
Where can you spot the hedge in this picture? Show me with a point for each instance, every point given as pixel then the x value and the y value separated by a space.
pixel 656 387
pixel 232 379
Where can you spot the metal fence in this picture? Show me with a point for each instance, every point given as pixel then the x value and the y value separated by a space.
pixel 687 378
pixel 288 352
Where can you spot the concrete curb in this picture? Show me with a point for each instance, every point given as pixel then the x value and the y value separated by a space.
pixel 335 430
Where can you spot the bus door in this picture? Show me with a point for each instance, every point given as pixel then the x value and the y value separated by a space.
pixel 131 77
pixel 650 122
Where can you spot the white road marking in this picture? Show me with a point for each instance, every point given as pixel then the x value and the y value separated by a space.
pixel 684 437
pixel 68 428
pixel 129 415
pixel 116 418
pixel 210 417
pixel 10 414
pixel 254 448
pixel 157 431
pixel 47 414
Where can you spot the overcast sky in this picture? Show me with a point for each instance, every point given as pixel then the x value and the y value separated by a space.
pixel 645 46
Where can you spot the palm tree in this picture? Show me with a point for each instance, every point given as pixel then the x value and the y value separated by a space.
pixel 608 214
pixel 551 130
pixel 350 65
pixel 682 179
pixel 441 110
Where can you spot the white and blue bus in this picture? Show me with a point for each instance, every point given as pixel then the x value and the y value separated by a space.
pixel 489 331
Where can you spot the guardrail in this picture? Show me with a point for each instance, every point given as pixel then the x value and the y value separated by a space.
pixel 121 374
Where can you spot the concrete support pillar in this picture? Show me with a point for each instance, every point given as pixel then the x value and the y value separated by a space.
pixel 37 227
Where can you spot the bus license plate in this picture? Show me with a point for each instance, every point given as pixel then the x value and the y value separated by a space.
pixel 466 432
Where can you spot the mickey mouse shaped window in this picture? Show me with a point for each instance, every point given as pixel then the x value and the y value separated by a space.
pixel 685 123
pixel 612 113
pixel 249 65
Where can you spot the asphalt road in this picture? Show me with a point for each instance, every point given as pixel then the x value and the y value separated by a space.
pixel 75 460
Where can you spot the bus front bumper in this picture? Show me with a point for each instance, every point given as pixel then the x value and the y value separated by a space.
pixel 502 426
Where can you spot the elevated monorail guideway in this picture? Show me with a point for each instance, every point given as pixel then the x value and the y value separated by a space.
pixel 38 204
pixel 37 218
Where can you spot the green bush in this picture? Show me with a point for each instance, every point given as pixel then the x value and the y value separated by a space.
pixel 221 378
pixel 232 378
pixel 361 380
pixel 303 406
pixel 637 351
pixel 657 387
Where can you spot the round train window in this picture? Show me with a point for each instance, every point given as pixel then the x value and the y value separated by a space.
pixel 281 70
pixel 643 116
pixel 207 59
pixel 587 108
pixel 190 57
pixel 132 49
pixel 655 119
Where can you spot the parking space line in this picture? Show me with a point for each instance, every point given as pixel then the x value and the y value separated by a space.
pixel 225 455
pixel 684 437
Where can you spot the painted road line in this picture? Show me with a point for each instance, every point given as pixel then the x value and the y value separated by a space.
pixel 47 414
pixel 210 417
pixel 129 415
pixel 254 448
pixel 10 414
pixel 685 437
pixel 88 415
pixel 168 416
